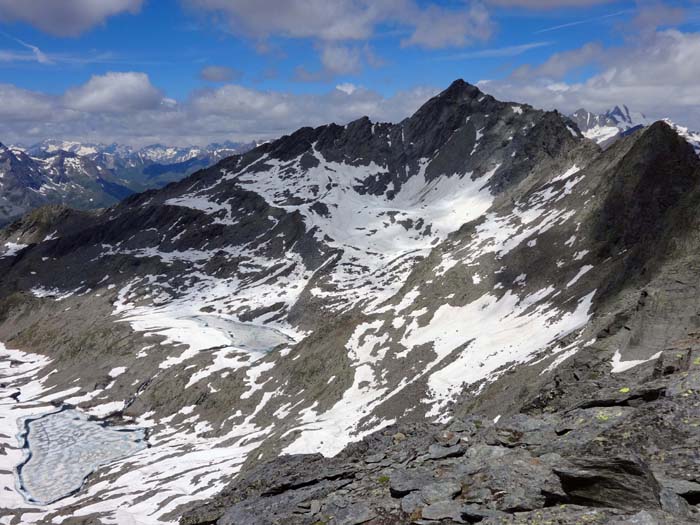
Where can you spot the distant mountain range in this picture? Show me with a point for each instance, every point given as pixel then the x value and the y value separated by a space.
pixel 87 176
pixel 606 128
pixel 127 155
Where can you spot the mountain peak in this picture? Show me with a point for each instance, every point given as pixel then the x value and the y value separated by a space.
pixel 460 89
pixel 457 101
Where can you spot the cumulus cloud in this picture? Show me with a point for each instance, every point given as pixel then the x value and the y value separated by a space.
pixel 324 19
pixel 114 92
pixel 271 113
pixel 65 17
pixel 657 75
pixel 338 20
pixel 219 74
pixel 335 23
pixel 126 108
pixel 436 27
pixel 23 105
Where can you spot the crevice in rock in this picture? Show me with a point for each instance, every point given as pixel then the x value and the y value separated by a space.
pixel 647 397
pixel 275 491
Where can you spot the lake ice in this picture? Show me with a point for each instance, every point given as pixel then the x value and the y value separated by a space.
pixel 64 447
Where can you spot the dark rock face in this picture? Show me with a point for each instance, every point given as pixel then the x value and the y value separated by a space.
pixel 625 483
pixel 657 173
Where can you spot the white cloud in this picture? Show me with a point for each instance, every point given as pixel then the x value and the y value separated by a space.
pixel 37 53
pixel 436 27
pixel 125 107
pixel 21 105
pixel 114 92
pixel 332 24
pixel 242 102
pixel 65 17
pixel 657 76
pixel 346 88
pixel 323 19
pixel 273 113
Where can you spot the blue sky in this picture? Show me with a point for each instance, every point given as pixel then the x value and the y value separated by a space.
pixel 182 71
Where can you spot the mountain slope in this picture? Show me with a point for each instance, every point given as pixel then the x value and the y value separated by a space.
pixel 325 286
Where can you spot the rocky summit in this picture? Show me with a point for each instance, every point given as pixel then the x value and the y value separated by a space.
pixel 476 315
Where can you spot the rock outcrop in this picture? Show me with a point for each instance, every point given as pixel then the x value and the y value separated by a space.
pixel 627 454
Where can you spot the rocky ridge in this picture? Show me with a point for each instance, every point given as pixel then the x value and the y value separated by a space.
pixel 627 454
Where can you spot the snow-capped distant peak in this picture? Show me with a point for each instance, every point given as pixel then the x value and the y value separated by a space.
pixel 625 119
pixel 54 146
pixel 605 128
pixel 169 154
pixel 130 156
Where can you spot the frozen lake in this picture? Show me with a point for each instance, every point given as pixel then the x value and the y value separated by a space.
pixel 246 336
pixel 63 448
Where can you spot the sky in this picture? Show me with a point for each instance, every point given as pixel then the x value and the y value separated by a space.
pixel 182 72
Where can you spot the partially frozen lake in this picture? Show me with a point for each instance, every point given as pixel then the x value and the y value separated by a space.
pixel 251 337
pixel 63 448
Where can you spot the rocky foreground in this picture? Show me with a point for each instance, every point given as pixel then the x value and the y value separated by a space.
pixel 590 448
